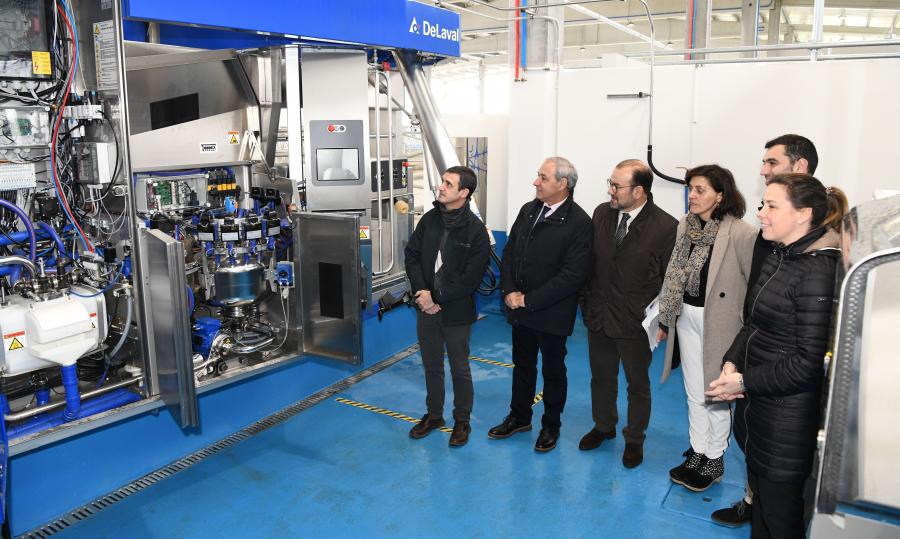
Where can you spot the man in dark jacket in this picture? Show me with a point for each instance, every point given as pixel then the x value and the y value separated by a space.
pixel 445 261
pixel 787 153
pixel 633 239
pixel 546 261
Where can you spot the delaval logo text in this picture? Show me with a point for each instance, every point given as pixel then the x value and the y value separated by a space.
pixel 433 30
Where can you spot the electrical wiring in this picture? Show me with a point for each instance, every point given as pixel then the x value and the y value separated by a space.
pixel 59 117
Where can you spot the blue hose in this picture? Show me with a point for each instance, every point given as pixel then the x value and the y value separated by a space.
pixel 109 401
pixel 25 221
pixel 73 398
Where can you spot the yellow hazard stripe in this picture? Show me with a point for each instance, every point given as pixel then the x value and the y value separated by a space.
pixel 538 398
pixel 385 411
pixel 491 362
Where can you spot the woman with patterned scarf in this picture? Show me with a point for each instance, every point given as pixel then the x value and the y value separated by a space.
pixel 702 300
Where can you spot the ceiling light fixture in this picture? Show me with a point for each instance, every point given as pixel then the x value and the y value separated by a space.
pixel 630 24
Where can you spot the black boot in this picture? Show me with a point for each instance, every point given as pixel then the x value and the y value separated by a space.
pixel 693 460
pixel 736 515
pixel 711 471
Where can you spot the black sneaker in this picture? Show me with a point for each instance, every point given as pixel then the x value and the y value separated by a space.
pixel 692 461
pixel 709 472
pixel 735 516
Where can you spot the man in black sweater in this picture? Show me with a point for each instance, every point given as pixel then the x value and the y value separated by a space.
pixel 445 260
pixel 546 261
pixel 787 153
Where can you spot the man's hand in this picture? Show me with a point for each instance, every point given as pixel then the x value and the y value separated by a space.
pixel 424 301
pixel 514 300
pixel 435 308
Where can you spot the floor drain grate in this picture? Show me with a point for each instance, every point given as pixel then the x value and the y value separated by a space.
pixel 94 507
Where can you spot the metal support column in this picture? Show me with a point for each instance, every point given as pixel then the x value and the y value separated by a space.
pixel 750 26
pixel 697 34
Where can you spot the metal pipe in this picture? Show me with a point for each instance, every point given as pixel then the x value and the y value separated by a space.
pixel 391 223
pixel 84 396
pixel 399 106
pixel 762 48
pixel 650 123
pixel 433 130
pixel 555 4
pixel 19 261
pixel 269 338
pixel 152 32
pixel 126 328
pixel 592 21
pixel 818 14
pixel 862 56
pixel 378 172
pixel 428 166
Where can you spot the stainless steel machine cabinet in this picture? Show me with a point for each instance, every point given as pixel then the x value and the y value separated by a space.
pixel 858 492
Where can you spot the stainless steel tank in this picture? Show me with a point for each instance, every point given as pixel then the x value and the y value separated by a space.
pixel 241 284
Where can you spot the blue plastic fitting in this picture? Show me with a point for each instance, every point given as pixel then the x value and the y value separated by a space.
pixel 73 398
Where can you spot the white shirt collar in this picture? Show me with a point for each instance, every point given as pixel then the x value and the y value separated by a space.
pixel 632 214
pixel 554 207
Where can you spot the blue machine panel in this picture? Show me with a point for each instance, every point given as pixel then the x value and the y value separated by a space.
pixel 404 24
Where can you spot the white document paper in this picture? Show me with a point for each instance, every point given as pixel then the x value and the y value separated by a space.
pixel 651 322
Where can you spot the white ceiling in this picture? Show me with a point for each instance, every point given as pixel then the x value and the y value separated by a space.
pixel 485 36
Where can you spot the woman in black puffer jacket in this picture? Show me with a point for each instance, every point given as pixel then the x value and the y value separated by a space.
pixel 775 364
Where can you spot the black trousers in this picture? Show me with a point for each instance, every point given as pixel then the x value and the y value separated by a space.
pixel 433 337
pixel 777 508
pixel 526 344
pixel 605 353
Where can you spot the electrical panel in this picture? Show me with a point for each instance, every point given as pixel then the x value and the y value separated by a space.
pixel 20 175
pixel 24 50
pixel 96 162
pixel 157 193
pixel 23 127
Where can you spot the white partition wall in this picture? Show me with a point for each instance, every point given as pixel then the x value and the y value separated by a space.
pixel 721 113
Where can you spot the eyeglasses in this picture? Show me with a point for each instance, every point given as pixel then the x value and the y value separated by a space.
pixel 615 187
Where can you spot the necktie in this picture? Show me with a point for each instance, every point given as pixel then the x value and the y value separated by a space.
pixel 622 229
pixel 543 214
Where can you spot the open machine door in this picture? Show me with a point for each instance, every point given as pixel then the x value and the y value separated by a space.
pixel 168 324
pixel 332 280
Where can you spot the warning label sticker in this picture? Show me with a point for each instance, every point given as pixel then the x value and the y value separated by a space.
pixel 105 55
pixel 14 341
pixel 364 233
pixel 233 137
pixel 40 63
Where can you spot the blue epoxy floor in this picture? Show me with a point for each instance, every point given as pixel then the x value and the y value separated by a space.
pixel 338 470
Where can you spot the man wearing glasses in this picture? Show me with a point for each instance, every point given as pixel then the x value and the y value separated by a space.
pixel 633 239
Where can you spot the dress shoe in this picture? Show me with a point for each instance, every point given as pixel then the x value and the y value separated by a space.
pixel 460 434
pixel 691 462
pixel 593 439
pixel 424 427
pixel 509 427
pixel 633 456
pixel 738 514
pixel 546 440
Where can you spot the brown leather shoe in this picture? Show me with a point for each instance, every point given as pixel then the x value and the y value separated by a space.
pixel 634 455
pixel 460 435
pixel 424 427
pixel 593 439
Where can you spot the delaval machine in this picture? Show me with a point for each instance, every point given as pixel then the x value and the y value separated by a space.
pixel 152 250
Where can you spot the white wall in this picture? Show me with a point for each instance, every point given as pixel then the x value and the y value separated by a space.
pixel 722 113
pixel 496 129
